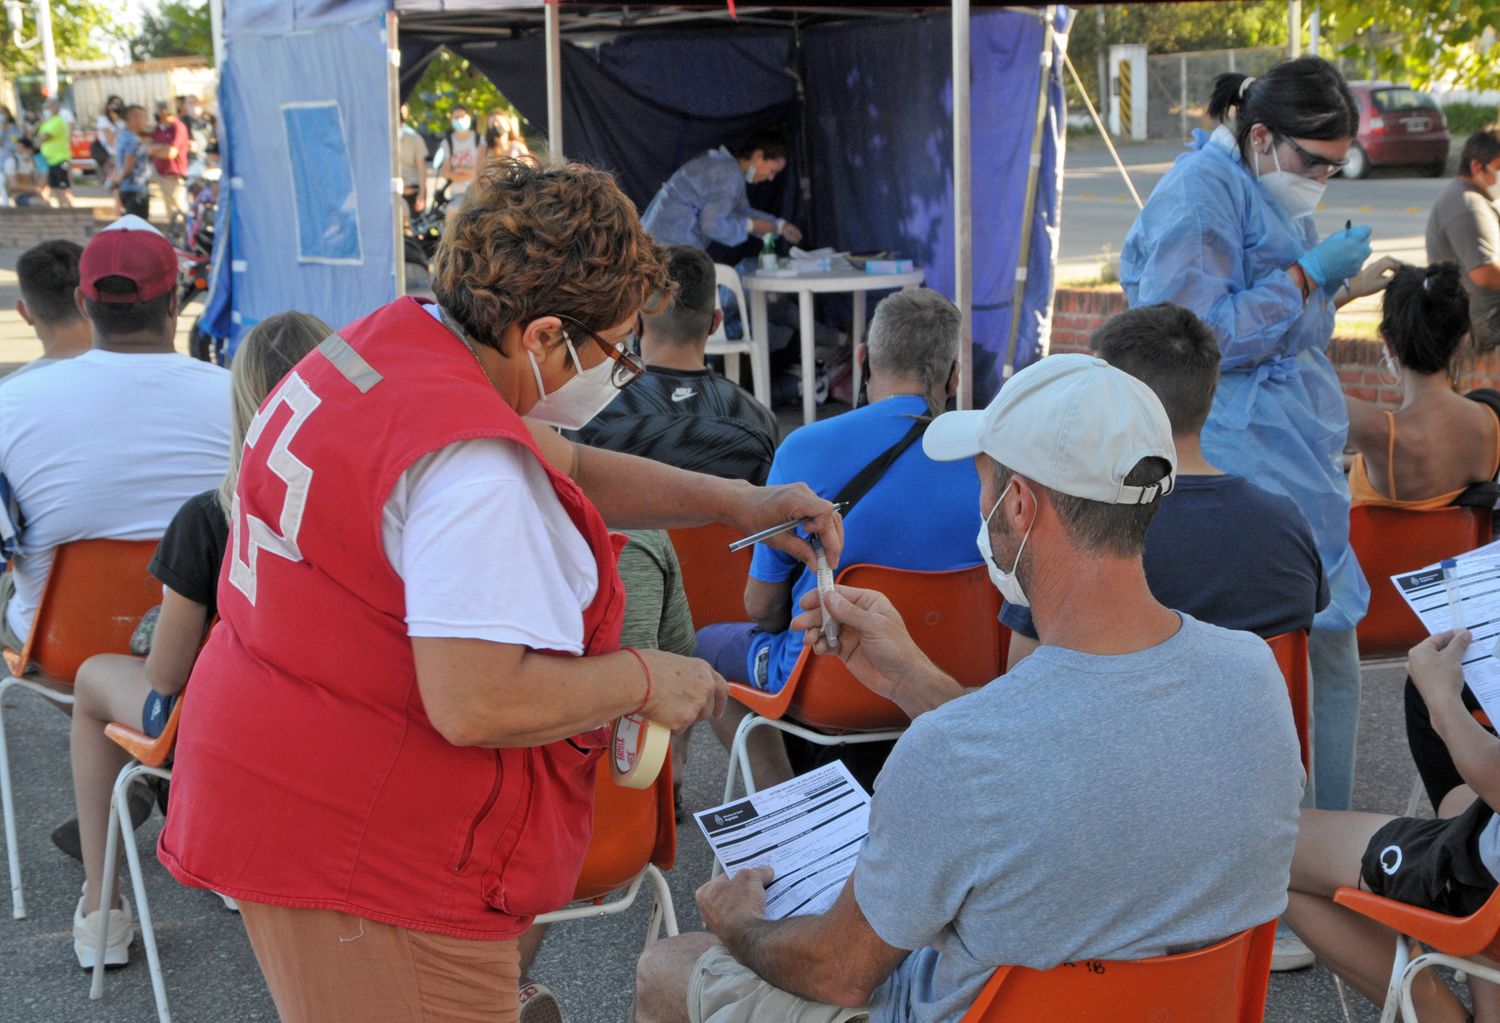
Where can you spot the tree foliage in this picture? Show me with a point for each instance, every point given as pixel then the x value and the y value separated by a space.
pixel 1174 28
pixel 178 28
pixel 447 81
pixel 81 30
pixel 1421 42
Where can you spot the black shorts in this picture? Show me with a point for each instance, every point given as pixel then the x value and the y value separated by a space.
pixel 1431 864
pixel 60 175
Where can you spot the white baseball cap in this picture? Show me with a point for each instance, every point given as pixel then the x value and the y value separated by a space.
pixel 1072 423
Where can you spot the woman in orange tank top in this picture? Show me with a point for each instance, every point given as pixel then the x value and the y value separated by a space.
pixel 1435 445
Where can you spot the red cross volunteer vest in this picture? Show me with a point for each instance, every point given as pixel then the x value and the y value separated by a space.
pixel 307 773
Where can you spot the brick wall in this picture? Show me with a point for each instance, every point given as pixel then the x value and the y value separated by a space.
pixel 24 226
pixel 1077 312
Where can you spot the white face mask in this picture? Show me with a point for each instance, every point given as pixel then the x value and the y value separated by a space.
pixel 1493 188
pixel 1299 196
pixel 460 123
pixel 750 173
pixel 1006 582
pixel 579 399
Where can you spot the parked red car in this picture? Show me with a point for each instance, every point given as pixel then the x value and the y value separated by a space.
pixel 83 158
pixel 1397 125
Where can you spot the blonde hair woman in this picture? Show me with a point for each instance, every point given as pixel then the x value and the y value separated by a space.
pixel 118 687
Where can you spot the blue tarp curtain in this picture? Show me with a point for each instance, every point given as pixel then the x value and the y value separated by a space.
pixel 332 83
pixel 878 107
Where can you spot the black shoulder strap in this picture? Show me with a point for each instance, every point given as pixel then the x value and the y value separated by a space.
pixel 1488 397
pixel 867 477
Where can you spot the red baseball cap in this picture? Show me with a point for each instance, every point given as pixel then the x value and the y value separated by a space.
pixel 133 249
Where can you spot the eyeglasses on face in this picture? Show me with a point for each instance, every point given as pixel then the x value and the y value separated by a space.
pixel 627 368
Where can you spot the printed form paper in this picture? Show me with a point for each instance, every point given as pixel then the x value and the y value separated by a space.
pixel 1476 593
pixel 808 830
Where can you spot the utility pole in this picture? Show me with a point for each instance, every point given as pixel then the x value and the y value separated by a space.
pixel 1294 28
pixel 49 55
pixel 1102 60
pixel 1315 31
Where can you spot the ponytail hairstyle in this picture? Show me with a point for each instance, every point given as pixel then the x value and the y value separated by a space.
pixel 1306 98
pixel 266 354
pixel 1424 316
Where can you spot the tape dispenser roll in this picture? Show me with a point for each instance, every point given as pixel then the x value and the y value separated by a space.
pixel 637 748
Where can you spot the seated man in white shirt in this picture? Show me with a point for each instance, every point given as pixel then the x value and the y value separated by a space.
pixel 1129 790
pixel 109 444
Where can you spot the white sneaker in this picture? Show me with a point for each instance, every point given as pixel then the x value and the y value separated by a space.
pixel 538 1003
pixel 86 935
pixel 1290 953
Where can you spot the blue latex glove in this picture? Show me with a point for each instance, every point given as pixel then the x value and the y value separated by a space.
pixel 1338 256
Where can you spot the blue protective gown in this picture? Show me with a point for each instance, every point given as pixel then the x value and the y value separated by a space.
pixel 1213 240
pixel 703 201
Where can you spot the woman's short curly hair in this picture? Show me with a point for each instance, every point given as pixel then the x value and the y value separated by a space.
pixel 534 240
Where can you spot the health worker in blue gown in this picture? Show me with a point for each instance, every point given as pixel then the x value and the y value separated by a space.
pixel 1229 234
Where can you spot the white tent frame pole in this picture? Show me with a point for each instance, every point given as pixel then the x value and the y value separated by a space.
pixel 393 128
pixel 216 29
pixel 554 79
pixel 1033 173
pixel 963 205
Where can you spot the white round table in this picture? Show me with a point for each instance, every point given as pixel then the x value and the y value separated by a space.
pixel 804 286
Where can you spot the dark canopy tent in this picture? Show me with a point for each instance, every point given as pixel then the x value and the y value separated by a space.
pixel 866 93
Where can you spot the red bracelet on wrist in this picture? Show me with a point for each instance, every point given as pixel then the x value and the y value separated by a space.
pixel 647 698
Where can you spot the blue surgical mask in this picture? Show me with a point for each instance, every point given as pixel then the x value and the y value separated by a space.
pixel 460 123
pixel 750 173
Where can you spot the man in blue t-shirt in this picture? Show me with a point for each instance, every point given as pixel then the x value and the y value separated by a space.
pixel 920 514
pixel 1221 549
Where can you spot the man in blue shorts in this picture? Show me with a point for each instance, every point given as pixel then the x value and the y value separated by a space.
pixel 917 514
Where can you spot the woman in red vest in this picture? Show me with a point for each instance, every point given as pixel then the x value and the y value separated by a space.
pixel 389 754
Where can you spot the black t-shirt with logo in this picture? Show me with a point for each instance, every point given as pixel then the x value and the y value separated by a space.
pixel 693 419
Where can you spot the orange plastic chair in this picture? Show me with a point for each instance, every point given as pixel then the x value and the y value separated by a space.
pixel 1455 942
pixel 94 597
pixel 953 616
pixel 1224 983
pixel 713 578
pixel 1290 649
pixel 634 841
pixel 150 758
pixel 1388 541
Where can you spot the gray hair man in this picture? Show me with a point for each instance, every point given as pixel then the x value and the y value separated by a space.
pixel 1129 790
pixel 912 358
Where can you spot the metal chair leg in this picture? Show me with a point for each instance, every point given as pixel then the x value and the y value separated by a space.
pixel 138 885
pixel 1429 959
pixel 107 882
pixel 1393 986
pixel 663 911
pixel 8 809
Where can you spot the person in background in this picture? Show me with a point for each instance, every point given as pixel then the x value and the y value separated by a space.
pixel 111 119
pixel 54 138
pixel 26 175
pixel 918 514
pixel 169 155
pixel 10 134
pixel 657 617
pixel 704 203
pixel 459 157
pixel 48 277
pixel 1104 800
pixel 119 687
pixel 1221 549
pixel 1448 864
pixel 107 445
pixel 518 147
pixel 1228 233
pixel 1464 228
pixel 681 412
pixel 413 149
pixel 1425 453
pixel 133 176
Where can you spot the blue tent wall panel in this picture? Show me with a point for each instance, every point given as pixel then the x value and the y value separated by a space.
pixel 340 64
pixel 245 19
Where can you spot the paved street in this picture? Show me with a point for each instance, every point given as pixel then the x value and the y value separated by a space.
pixel 1097 212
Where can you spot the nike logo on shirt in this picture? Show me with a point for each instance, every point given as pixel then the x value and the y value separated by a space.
pixel 683 394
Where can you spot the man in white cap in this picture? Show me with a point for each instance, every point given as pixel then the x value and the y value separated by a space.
pixel 1129 790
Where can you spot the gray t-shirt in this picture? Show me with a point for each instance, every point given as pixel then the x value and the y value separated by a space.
pixel 1082 807
pixel 1464 228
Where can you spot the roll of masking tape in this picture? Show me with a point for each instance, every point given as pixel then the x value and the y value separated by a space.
pixel 638 748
